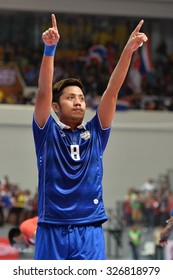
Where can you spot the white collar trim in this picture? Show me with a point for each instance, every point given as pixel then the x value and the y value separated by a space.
pixel 64 126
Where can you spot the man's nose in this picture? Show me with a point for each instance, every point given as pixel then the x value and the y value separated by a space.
pixel 77 101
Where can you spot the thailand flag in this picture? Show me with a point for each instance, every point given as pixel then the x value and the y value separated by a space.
pixel 141 65
pixel 134 76
pixel 97 54
pixel 146 60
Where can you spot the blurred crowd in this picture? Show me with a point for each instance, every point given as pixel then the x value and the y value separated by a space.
pixel 91 53
pixel 145 212
pixel 155 92
pixel 16 205
pixel 150 205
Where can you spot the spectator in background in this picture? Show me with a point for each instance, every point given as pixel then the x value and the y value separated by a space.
pixel 16 213
pixel 159 250
pixel 127 209
pixel 149 210
pixel 134 235
pixel 164 214
pixel 135 202
pixel 1 212
pixel 148 186
pixel 6 202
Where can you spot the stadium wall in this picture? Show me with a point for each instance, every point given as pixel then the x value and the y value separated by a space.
pixel 140 147
pixel 144 8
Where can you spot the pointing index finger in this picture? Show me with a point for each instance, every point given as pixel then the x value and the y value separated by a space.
pixel 54 24
pixel 138 27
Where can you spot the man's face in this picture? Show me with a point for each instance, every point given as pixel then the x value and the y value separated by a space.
pixel 72 106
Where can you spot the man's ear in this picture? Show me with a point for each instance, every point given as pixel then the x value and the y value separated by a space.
pixel 55 107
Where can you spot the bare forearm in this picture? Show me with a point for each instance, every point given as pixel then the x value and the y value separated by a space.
pixel 44 95
pixel 46 75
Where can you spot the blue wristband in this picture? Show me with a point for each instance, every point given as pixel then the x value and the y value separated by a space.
pixel 49 50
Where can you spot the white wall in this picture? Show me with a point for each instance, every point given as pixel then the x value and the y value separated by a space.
pixel 144 8
pixel 140 147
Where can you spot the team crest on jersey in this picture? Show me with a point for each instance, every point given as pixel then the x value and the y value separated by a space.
pixel 85 135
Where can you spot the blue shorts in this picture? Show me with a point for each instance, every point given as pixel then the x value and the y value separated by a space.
pixel 54 242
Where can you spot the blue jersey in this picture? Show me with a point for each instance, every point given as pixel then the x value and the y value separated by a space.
pixel 70 172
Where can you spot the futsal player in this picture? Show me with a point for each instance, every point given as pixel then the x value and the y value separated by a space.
pixel 23 236
pixel 69 157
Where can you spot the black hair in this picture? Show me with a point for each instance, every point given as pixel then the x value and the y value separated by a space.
pixel 14 232
pixel 58 87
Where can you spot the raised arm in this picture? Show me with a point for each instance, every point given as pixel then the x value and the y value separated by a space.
pixel 108 101
pixel 44 96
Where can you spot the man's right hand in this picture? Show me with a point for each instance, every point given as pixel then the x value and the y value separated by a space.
pixel 51 36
